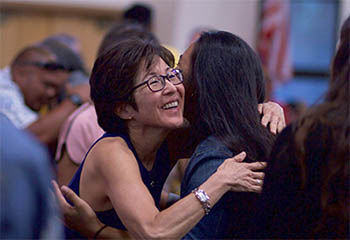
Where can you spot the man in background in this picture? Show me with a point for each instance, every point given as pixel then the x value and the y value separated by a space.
pixel 34 79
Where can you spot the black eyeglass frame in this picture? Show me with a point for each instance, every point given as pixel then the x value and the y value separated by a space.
pixel 163 77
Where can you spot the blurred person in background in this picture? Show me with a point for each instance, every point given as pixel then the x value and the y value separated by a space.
pixel 140 13
pixel 73 63
pixel 68 40
pixel 68 56
pixel 306 188
pixel 28 208
pixel 143 14
pixel 33 80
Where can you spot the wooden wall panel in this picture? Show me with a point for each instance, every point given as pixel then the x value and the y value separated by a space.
pixel 21 26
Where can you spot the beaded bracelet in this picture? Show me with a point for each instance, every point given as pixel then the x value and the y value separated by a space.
pixel 99 231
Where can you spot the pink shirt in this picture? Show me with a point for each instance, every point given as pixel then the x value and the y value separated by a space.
pixel 78 133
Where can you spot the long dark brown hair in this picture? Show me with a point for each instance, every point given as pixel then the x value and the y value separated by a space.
pixel 333 116
pixel 228 84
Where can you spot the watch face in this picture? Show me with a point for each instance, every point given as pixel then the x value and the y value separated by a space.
pixel 76 99
pixel 202 196
pixel 204 199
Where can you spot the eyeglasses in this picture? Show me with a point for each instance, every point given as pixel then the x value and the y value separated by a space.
pixel 157 83
pixel 51 66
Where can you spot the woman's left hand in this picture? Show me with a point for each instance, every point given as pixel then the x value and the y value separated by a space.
pixel 272 113
pixel 243 177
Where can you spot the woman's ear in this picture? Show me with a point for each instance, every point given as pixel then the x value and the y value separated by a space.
pixel 125 111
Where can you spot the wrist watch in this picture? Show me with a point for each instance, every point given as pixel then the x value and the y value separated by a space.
pixel 76 99
pixel 203 199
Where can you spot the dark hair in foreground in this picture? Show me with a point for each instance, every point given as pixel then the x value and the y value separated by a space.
pixel 228 80
pixel 333 115
pixel 114 75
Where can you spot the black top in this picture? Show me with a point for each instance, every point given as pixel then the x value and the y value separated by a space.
pixel 230 217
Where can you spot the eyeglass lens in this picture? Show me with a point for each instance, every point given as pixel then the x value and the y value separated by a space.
pixel 157 83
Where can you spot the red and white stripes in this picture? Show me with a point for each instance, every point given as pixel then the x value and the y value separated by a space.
pixel 274 43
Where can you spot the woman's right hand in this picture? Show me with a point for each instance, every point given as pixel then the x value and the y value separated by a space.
pixel 241 176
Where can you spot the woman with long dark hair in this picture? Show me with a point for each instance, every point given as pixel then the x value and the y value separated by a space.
pixel 306 188
pixel 225 86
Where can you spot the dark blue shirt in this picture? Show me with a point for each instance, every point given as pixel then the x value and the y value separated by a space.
pixel 229 218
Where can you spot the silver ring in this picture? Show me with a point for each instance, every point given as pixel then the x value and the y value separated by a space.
pixel 259 181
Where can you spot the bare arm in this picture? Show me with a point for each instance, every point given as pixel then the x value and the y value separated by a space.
pixel 144 220
pixel 173 222
pixel 47 127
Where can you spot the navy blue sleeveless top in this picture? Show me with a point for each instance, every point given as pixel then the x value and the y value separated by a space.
pixel 154 181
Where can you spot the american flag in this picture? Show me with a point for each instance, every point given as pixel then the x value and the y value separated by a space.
pixel 273 42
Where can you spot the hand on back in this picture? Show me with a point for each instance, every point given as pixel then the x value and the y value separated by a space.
pixel 243 177
pixel 273 115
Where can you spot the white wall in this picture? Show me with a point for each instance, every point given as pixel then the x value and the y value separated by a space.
pixel 236 16
pixel 344 10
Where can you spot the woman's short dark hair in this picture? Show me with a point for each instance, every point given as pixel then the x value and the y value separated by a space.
pixel 113 77
pixel 228 80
